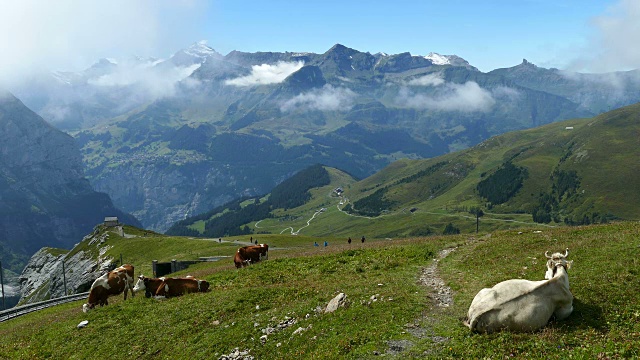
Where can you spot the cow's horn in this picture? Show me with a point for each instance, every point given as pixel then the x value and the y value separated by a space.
pixel 566 253
pixel 546 253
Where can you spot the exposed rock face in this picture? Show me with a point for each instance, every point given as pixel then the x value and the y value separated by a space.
pixel 45 200
pixel 43 278
pixel 160 196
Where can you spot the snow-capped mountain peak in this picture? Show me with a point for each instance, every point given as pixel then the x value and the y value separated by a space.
pixel 200 49
pixel 438 59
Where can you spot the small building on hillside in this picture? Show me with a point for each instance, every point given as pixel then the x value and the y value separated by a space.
pixel 111 221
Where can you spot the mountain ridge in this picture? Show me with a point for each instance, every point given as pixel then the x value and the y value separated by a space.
pixel 45 200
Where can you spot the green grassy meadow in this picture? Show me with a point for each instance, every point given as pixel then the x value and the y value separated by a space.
pixel 403 322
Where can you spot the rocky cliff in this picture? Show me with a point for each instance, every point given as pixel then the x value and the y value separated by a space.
pixel 43 278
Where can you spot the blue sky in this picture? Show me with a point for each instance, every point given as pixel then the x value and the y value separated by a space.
pixel 489 34
pixel 586 35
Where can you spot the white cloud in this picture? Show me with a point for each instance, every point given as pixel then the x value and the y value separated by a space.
pixel 506 93
pixel 427 80
pixel 467 97
pixel 156 83
pixel 614 44
pixel 267 74
pixel 42 36
pixel 327 98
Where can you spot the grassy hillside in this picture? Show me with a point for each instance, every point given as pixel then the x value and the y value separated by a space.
pixel 574 172
pixel 402 323
pixel 601 150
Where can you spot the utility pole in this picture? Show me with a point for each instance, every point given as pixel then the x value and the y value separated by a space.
pixel 64 279
pixel 2 286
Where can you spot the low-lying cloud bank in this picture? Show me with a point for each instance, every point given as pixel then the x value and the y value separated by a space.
pixel 154 82
pixel 427 80
pixel 467 97
pixel 327 98
pixel 267 74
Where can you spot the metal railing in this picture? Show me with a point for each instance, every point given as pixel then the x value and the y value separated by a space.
pixel 25 309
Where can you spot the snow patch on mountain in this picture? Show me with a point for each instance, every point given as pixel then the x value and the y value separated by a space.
pixel 200 50
pixel 438 59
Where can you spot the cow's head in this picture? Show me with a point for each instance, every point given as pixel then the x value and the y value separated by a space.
pixel 555 260
pixel 143 285
pixel 87 307
pixel 139 284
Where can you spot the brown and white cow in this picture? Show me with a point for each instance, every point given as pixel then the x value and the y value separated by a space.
pixel 251 254
pixel 264 251
pixel 167 287
pixel 149 285
pixel 239 261
pixel 112 283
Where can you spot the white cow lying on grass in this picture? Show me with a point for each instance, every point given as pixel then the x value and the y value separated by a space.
pixel 523 305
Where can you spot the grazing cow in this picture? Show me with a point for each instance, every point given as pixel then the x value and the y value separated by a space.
pixel 170 286
pixel 239 261
pixel 151 285
pixel 250 254
pixel 178 286
pixel 111 283
pixel 264 251
pixel 522 305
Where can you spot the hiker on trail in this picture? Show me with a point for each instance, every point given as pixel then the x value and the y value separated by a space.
pixel 349 241
pixel 326 244
pixel 256 242
pixel 315 243
pixel 363 239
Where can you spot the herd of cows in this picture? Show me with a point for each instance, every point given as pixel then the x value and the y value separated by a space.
pixel 120 280
pixel 515 305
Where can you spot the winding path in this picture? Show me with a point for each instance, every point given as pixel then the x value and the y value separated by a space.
pixel 344 201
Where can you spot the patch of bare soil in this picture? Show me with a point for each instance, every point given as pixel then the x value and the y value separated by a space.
pixel 442 297
pixel 430 277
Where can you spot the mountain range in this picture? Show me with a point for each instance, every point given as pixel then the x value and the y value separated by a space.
pixel 239 124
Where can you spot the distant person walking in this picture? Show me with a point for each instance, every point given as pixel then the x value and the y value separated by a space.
pixel 349 241
pixel 363 239
pixel 315 243
pixel 326 244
